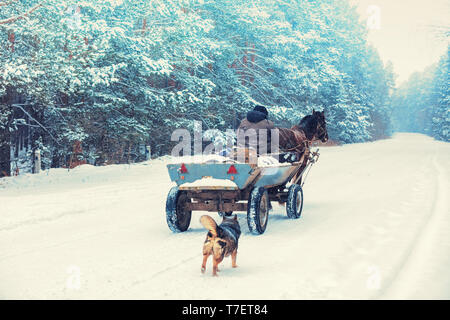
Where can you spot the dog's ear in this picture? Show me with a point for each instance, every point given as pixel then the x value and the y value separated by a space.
pixel 235 217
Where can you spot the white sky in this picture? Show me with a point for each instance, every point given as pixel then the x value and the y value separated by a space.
pixel 407 33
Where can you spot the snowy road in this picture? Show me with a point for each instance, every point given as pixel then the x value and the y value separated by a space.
pixel 375 224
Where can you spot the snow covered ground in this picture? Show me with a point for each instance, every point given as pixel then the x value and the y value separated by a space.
pixel 375 224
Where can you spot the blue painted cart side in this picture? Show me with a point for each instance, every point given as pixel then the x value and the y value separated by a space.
pixel 274 176
pixel 197 171
pixel 246 174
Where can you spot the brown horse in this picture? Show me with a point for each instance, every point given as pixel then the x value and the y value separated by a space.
pixel 298 139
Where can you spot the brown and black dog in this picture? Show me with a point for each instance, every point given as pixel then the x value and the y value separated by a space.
pixel 221 241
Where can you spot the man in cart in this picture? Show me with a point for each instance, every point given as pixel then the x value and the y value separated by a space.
pixel 254 132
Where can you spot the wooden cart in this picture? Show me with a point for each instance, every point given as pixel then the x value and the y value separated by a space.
pixel 240 187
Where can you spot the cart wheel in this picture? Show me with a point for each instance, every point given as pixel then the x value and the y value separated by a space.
pixel 177 219
pixel 294 204
pixel 258 210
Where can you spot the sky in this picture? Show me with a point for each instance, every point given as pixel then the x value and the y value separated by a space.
pixel 405 31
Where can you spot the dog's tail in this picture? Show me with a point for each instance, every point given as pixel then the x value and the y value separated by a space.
pixel 209 224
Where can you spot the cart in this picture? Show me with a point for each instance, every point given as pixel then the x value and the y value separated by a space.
pixel 231 186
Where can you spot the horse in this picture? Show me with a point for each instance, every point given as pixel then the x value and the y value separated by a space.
pixel 299 138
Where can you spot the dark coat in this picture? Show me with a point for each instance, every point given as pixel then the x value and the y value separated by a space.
pixel 255 120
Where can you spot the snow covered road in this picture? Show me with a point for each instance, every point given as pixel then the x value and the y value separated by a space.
pixel 375 224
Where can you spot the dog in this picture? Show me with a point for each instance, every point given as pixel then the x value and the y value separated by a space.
pixel 221 241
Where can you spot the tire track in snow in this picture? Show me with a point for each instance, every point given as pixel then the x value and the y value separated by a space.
pixel 407 274
pixel 51 246
pixel 376 246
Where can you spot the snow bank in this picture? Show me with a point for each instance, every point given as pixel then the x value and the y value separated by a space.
pixel 211 158
pixel 210 182
pixel 83 175
pixel 263 161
